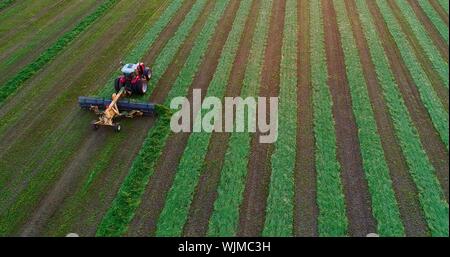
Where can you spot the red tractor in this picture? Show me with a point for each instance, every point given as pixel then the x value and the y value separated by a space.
pixel 134 79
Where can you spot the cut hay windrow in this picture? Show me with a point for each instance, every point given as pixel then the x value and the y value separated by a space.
pixel 225 216
pixel 280 202
pixel 5 3
pixel 425 41
pixel 434 17
pixel 332 219
pixel 179 199
pixel 422 172
pixel 427 94
pixel 123 208
pixel 13 84
pixel 384 204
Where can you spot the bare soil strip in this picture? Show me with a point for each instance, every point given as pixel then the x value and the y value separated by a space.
pixel 206 192
pixel 404 187
pixel 438 85
pixel 359 213
pixel 252 211
pixel 440 11
pixel 438 40
pixel 433 146
pixel 305 208
pixel 144 222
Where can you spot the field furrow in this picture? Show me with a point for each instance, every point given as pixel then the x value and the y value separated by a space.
pixel 433 16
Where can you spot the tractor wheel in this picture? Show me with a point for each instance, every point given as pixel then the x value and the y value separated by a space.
pixel 117 127
pixel 148 73
pixel 141 87
pixel 95 126
pixel 117 85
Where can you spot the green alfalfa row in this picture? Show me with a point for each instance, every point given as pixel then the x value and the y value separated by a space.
pixel 12 85
pixel 384 204
pixel 332 219
pixel 420 168
pixel 435 19
pixel 427 94
pixel 188 171
pixel 444 4
pixel 224 218
pixel 430 49
pixel 280 202
pixel 129 196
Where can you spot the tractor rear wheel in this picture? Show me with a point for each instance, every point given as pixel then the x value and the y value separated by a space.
pixel 141 87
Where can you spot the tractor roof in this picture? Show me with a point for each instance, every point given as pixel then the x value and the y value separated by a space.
pixel 129 68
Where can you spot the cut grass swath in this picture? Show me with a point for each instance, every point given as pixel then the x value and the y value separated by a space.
pixel 332 220
pixel 434 17
pixel 124 206
pixel 11 86
pixel 232 182
pixel 280 202
pixel 422 172
pixel 179 199
pixel 423 84
pixel 384 204
pixel 433 54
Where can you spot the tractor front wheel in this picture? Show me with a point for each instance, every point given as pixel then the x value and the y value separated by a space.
pixel 117 127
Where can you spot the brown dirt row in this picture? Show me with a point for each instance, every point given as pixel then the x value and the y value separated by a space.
pixel 404 187
pixel 253 207
pixel 438 40
pixel 431 142
pixel 438 85
pixel 111 177
pixel 358 204
pixel 145 220
pixel 305 208
pixel 203 201
pixel 440 11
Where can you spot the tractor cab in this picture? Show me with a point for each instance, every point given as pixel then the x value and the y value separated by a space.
pixel 129 71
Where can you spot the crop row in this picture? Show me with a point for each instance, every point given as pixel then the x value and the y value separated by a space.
pixel 439 64
pixel 384 205
pixel 11 86
pixel 179 199
pixel 6 3
pixel 419 166
pixel 37 183
pixel 423 84
pixel 128 199
pixel 332 220
pixel 232 182
pixel 434 17
pixel 280 202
